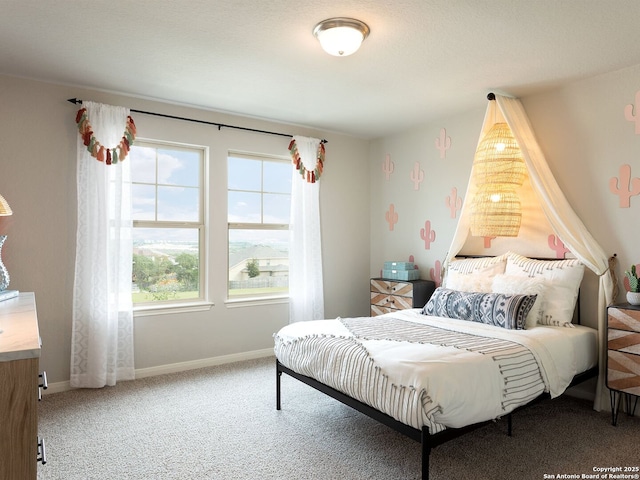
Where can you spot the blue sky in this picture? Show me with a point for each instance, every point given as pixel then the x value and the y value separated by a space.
pixel 178 180
pixel 177 193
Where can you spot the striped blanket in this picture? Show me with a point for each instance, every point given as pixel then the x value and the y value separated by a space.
pixel 418 374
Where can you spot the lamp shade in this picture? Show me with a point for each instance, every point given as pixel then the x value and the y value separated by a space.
pixel 5 209
pixel 498 169
pixel 498 158
pixel 341 36
pixel 495 212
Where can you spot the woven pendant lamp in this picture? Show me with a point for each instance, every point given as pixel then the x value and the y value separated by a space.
pixel 495 212
pixel 498 170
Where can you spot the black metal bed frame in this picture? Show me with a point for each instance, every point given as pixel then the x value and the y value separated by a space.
pixel 427 440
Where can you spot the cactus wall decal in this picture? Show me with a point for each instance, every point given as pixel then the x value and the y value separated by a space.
pixel 387 166
pixel 556 245
pixel 443 143
pixel 427 235
pixel 391 216
pixel 453 202
pixel 487 241
pixel 417 175
pixel 617 186
pixel 415 267
pixel 436 273
pixel 629 113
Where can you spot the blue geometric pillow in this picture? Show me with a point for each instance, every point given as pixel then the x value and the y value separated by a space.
pixel 498 309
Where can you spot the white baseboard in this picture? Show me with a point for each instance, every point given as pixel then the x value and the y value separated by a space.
pixel 58 387
pixel 205 362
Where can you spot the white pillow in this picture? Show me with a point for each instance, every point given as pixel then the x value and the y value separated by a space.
pixel 474 274
pixel 562 278
pixel 516 284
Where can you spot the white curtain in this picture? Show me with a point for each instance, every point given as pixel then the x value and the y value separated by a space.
pixel 564 221
pixel 306 295
pixel 102 333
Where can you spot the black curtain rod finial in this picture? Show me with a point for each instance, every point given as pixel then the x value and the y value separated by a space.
pixel 491 96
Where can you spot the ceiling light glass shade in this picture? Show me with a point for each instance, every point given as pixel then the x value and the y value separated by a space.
pixel 498 169
pixel 341 36
pixel 5 209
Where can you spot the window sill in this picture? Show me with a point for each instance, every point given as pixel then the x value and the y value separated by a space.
pixel 255 301
pixel 165 309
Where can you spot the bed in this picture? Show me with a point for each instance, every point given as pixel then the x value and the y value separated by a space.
pixel 500 334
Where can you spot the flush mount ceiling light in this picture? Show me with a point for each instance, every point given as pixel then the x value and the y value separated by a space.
pixel 341 36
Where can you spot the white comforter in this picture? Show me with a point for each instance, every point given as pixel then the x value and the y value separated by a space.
pixel 444 386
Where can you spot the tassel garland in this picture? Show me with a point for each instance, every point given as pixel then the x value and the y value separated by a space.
pixel 311 176
pixel 110 156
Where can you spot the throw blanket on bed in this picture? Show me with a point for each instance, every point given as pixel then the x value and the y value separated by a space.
pixel 418 374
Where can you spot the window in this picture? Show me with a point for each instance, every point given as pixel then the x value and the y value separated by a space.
pixel 168 223
pixel 259 200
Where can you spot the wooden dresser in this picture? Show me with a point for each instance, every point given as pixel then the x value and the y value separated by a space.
pixel 389 295
pixel 623 357
pixel 19 389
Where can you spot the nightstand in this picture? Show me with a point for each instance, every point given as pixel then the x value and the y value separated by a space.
pixel 392 295
pixel 623 357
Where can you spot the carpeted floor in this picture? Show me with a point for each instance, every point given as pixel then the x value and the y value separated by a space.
pixel 221 423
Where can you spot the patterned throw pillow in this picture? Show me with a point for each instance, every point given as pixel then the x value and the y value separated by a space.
pixel 516 284
pixel 500 310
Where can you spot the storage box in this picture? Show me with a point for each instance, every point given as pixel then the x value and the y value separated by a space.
pixel 398 266
pixel 401 274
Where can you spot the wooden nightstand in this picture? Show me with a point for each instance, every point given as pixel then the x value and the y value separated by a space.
pixel 392 295
pixel 623 357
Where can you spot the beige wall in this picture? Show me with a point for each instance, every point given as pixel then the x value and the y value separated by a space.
pixel 37 177
pixel 581 129
pixel 585 137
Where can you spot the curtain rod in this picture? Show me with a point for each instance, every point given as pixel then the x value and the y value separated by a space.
pixel 219 125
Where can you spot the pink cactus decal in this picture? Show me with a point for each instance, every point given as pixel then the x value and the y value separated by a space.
pixel 415 267
pixel 387 166
pixel 487 241
pixel 443 143
pixel 453 202
pixel 436 273
pixel 391 216
pixel 556 245
pixel 629 113
pixel 427 235
pixel 416 176
pixel 632 185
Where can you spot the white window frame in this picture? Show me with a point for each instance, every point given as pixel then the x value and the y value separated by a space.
pixel 191 304
pixel 254 299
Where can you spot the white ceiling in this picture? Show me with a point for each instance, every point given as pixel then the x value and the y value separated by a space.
pixel 424 59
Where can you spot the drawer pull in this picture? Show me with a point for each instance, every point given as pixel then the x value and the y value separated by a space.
pixel 43 385
pixel 42 454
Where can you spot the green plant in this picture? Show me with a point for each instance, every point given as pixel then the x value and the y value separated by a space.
pixel 634 282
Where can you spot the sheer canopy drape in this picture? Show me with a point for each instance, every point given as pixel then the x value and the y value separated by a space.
pixel 102 328
pixel 306 294
pixel 560 215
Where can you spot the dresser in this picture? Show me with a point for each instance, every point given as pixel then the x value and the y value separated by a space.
pixel 623 357
pixel 392 295
pixel 20 448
